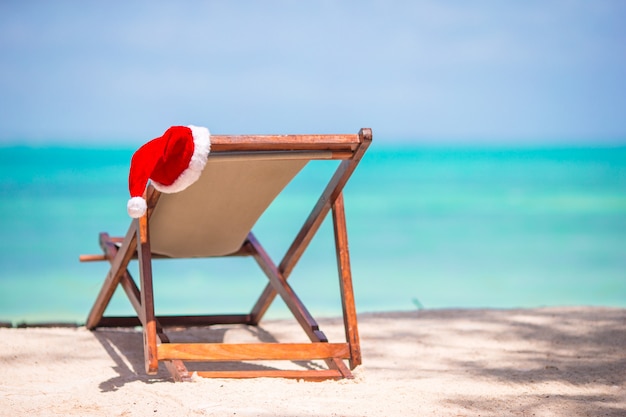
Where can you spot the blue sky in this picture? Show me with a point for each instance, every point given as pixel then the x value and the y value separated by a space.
pixel 426 71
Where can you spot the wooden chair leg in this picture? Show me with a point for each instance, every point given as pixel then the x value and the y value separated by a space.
pixel 119 261
pixel 147 297
pixel 345 281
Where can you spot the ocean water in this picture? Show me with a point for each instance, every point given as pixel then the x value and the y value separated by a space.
pixel 428 227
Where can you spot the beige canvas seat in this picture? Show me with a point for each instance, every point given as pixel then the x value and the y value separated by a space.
pixel 214 218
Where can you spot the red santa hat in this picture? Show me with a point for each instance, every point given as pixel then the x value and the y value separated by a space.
pixel 172 162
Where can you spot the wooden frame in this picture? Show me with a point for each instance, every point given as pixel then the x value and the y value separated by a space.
pixel 158 347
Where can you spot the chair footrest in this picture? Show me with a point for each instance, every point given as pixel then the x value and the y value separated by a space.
pixel 206 352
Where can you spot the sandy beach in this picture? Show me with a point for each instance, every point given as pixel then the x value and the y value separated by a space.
pixel 537 362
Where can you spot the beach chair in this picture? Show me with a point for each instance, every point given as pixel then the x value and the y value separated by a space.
pixel 214 218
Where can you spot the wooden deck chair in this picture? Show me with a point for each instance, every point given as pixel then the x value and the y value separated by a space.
pixel 242 177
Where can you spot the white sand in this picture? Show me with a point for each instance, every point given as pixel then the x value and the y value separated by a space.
pixel 541 362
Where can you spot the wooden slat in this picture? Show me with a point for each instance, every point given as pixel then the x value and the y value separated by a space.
pixel 278 155
pixel 133 294
pixel 251 351
pixel 147 298
pixel 201 320
pixel 345 281
pixel 313 375
pixel 229 143
pixel 291 299
pixel 119 262
pixel 92 258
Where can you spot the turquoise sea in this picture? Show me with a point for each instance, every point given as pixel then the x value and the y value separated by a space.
pixel 429 227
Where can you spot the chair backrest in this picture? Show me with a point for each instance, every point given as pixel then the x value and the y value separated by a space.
pixel 214 216
pixel 242 177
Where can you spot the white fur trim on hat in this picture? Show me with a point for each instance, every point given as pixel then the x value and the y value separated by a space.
pixel 202 147
pixel 136 207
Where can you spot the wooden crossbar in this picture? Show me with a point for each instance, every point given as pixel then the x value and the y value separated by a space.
pixel 339 143
pixel 180 320
pixel 251 351
pixel 309 375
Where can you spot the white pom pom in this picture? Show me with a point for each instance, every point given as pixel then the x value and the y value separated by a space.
pixel 136 207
